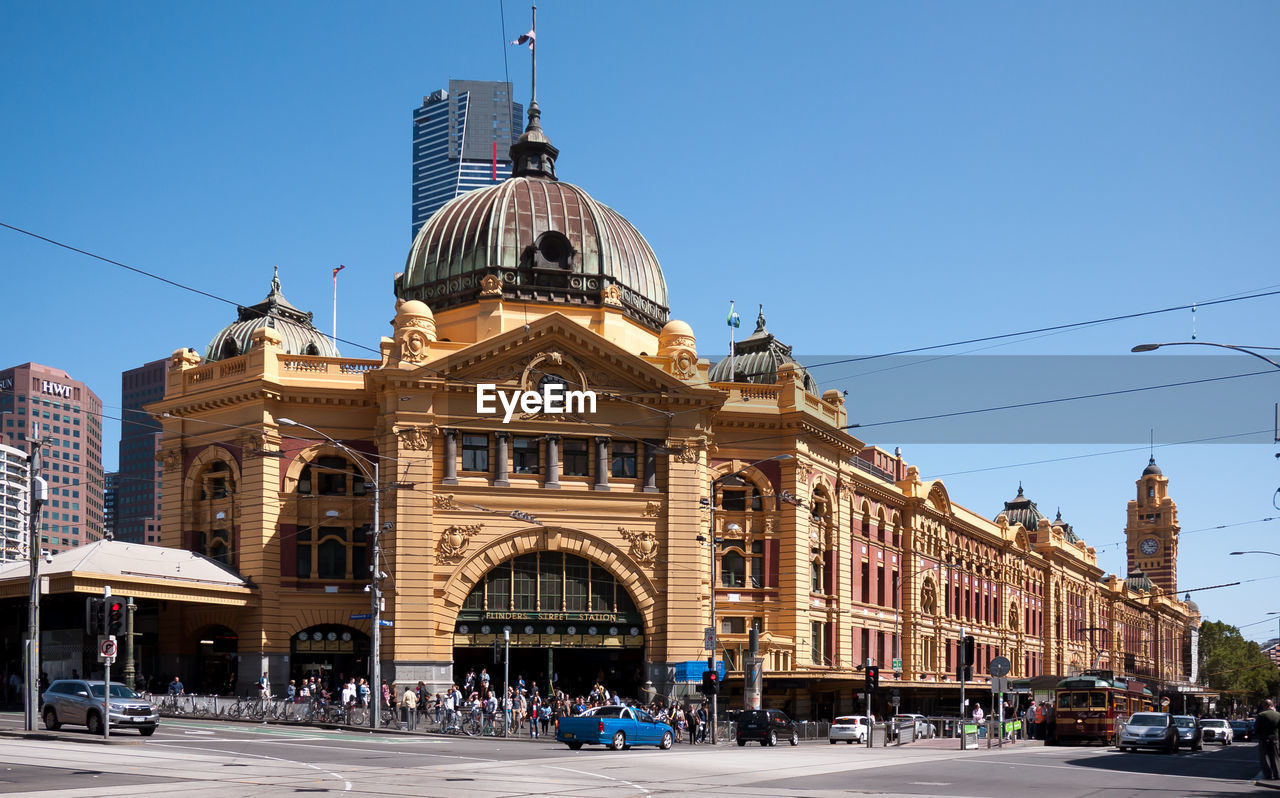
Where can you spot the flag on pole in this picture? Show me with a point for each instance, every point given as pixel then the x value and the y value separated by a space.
pixel 525 39
pixel 734 319
pixel 336 270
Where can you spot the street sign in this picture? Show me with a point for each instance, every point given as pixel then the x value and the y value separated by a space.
pixel 386 623
pixel 897 663
pixel 1000 666
pixel 999 684
pixel 709 639
pixel 107 647
pixel 361 616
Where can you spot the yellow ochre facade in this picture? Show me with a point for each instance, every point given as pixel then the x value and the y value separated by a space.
pixel 584 530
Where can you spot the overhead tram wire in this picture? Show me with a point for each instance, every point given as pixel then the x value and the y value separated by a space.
pixel 183 286
pixel 670 415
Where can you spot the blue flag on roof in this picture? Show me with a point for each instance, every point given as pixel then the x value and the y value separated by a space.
pixel 734 319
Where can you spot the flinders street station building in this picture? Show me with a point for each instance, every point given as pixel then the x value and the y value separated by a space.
pixel 539 453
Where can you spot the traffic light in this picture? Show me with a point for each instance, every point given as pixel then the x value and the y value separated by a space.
pixel 115 617
pixel 964 673
pixel 497 652
pixel 966 652
pixel 873 678
pixel 93 616
pixel 710 682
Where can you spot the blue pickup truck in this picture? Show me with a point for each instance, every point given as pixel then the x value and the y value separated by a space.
pixel 616 727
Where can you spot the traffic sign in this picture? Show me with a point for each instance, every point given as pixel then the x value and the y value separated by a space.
pixel 897 663
pixel 361 616
pixel 709 639
pixel 107 648
pixel 1000 666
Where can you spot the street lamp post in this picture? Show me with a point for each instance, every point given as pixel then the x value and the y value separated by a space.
pixel 1248 350
pixel 375 592
pixel 711 540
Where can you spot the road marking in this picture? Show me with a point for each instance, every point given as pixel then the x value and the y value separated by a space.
pixel 631 784
pixel 931 783
pixel 196 731
pixel 1077 769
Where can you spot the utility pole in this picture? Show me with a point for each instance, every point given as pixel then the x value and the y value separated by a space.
pixel 38 493
pixel 375 593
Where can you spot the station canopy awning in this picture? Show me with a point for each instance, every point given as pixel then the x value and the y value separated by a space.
pixel 133 569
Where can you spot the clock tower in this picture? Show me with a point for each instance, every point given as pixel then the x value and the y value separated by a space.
pixel 1151 533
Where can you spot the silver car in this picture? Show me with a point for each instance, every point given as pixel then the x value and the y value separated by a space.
pixel 78 702
pixel 1150 730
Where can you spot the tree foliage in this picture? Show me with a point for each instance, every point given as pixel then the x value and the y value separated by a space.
pixel 1234 666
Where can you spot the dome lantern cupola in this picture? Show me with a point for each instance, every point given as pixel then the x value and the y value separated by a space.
pixel 298 335
pixel 758 358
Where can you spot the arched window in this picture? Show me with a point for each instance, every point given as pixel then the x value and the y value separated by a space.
pixel 311 349
pixel 230 349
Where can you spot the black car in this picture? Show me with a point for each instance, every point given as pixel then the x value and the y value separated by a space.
pixel 766 726
pixel 1241 730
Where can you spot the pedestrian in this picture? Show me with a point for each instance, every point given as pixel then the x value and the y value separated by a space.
pixel 1268 732
pixel 175 687
pixel 534 709
pixel 1038 724
pixel 980 717
pixel 410 704
pixel 702 723
pixel 291 692
pixel 544 718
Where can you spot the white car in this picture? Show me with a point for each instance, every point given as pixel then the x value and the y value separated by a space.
pixel 924 729
pixel 1215 730
pixel 850 728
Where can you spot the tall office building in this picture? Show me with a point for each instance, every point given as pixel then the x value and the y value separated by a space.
pixel 461 141
pixel 110 496
pixel 137 518
pixel 14 494
pixel 69 415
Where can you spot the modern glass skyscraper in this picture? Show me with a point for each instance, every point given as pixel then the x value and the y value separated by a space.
pixel 461 139
pixel 137 509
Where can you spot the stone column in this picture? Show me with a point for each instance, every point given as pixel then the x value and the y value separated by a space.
pixel 502 467
pixel 602 463
pixel 553 462
pixel 450 458
pixel 650 466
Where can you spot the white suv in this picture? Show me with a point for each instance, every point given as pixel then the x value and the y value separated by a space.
pixel 850 728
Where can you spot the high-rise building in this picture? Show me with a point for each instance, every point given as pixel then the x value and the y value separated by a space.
pixel 138 489
pixel 461 139
pixel 110 498
pixel 46 401
pixel 14 487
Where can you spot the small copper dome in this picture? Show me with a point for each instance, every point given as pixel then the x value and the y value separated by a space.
pixel 1152 469
pixel 298 336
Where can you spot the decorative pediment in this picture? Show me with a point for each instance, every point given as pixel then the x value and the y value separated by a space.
pixel 557 347
pixel 938 498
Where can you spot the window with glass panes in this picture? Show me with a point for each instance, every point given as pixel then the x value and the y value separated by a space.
pixel 331 552
pixel 525 452
pixel 577 457
pixel 550 582
pixel 624 459
pixel 475 452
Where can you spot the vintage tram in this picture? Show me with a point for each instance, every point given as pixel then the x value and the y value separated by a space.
pixel 1091 707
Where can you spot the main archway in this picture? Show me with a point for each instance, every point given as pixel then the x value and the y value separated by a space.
pixel 567 622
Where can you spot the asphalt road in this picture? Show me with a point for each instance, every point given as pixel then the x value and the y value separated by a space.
pixel 207 758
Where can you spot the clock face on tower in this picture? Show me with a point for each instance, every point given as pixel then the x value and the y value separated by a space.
pixel 1150 546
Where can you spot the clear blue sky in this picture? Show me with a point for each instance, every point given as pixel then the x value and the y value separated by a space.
pixel 882 176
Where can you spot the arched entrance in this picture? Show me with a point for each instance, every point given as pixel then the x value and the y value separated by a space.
pixel 571 623
pixel 330 652
pixel 216 663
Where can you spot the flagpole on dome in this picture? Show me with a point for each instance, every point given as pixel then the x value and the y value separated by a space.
pixel 334 338
pixel 734 322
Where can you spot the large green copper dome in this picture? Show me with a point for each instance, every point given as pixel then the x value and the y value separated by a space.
pixel 538 240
